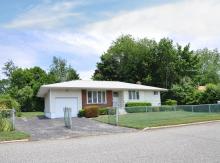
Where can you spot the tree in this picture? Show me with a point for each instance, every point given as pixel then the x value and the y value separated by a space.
pixel 60 71
pixel 159 64
pixel 209 62
pixel 24 85
pixel 8 68
pixel 4 84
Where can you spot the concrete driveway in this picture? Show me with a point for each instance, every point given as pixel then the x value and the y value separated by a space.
pixel 188 144
pixel 42 128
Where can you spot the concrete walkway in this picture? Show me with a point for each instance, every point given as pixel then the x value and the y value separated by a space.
pixel 44 129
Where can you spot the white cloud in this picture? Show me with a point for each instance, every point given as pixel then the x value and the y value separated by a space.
pixel 193 21
pixel 44 16
pixel 86 75
pixel 21 57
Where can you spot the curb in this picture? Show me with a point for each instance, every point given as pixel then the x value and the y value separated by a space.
pixel 179 125
pixel 13 141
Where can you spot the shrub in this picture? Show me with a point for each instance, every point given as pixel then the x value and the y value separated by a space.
pixel 155 109
pixel 103 111
pixel 81 113
pixel 6 102
pixel 170 102
pixel 5 124
pixel 131 104
pixel 91 111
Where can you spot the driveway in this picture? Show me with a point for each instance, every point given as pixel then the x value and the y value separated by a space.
pixel 189 144
pixel 42 128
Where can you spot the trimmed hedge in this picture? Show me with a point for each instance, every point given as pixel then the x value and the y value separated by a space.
pixel 139 109
pixel 103 111
pixel 131 104
pixel 91 111
pixel 170 102
pixel 81 113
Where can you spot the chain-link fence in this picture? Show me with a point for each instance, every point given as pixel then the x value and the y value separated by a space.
pixel 172 112
pixel 190 108
pixel 7 120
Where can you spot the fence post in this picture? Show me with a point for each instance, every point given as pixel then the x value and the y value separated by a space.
pixel 192 109
pixel 68 117
pixel 146 109
pixel 13 119
pixel 117 114
pixel 209 109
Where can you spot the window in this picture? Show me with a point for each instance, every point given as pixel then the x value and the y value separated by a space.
pixel 96 97
pixel 155 92
pixel 133 95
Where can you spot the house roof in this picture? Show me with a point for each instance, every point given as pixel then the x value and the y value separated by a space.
pixel 89 84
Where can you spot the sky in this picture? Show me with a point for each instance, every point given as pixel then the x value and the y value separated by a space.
pixel 33 31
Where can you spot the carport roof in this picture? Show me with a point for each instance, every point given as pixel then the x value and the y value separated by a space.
pixel 90 84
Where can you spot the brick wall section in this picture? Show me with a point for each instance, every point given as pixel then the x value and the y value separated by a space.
pixel 108 97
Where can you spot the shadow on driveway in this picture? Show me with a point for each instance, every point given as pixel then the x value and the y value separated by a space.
pixel 41 128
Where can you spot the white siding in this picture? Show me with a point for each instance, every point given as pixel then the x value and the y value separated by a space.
pixel 145 96
pixel 61 93
pixel 47 103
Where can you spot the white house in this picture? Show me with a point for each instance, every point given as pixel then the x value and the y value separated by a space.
pixel 80 93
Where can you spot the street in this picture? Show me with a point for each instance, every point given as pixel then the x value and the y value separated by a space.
pixel 189 144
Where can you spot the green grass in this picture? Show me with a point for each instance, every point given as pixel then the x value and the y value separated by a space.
pixel 31 114
pixel 13 135
pixel 154 119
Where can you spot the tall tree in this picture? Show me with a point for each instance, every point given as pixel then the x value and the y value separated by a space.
pixel 8 68
pixel 160 64
pixel 60 71
pixel 209 71
pixel 24 85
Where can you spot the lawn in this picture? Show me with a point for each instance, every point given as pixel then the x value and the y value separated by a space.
pixel 32 114
pixel 13 135
pixel 153 119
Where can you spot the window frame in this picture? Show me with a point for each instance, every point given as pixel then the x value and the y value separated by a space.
pixel 133 95
pixel 97 97
pixel 156 93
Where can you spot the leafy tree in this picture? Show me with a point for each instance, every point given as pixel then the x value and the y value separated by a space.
pixel 160 64
pixel 60 71
pixel 4 84
pixel 24 85
pixel 8 68
pixel 210 95
pixel 209 71
pixel 184 93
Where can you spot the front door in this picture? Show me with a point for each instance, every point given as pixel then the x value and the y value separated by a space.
pixel 115 99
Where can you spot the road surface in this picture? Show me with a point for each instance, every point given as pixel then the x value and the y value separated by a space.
pixel 189 144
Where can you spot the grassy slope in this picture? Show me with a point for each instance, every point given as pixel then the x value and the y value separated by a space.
pixel 13 135
pixel 153 119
